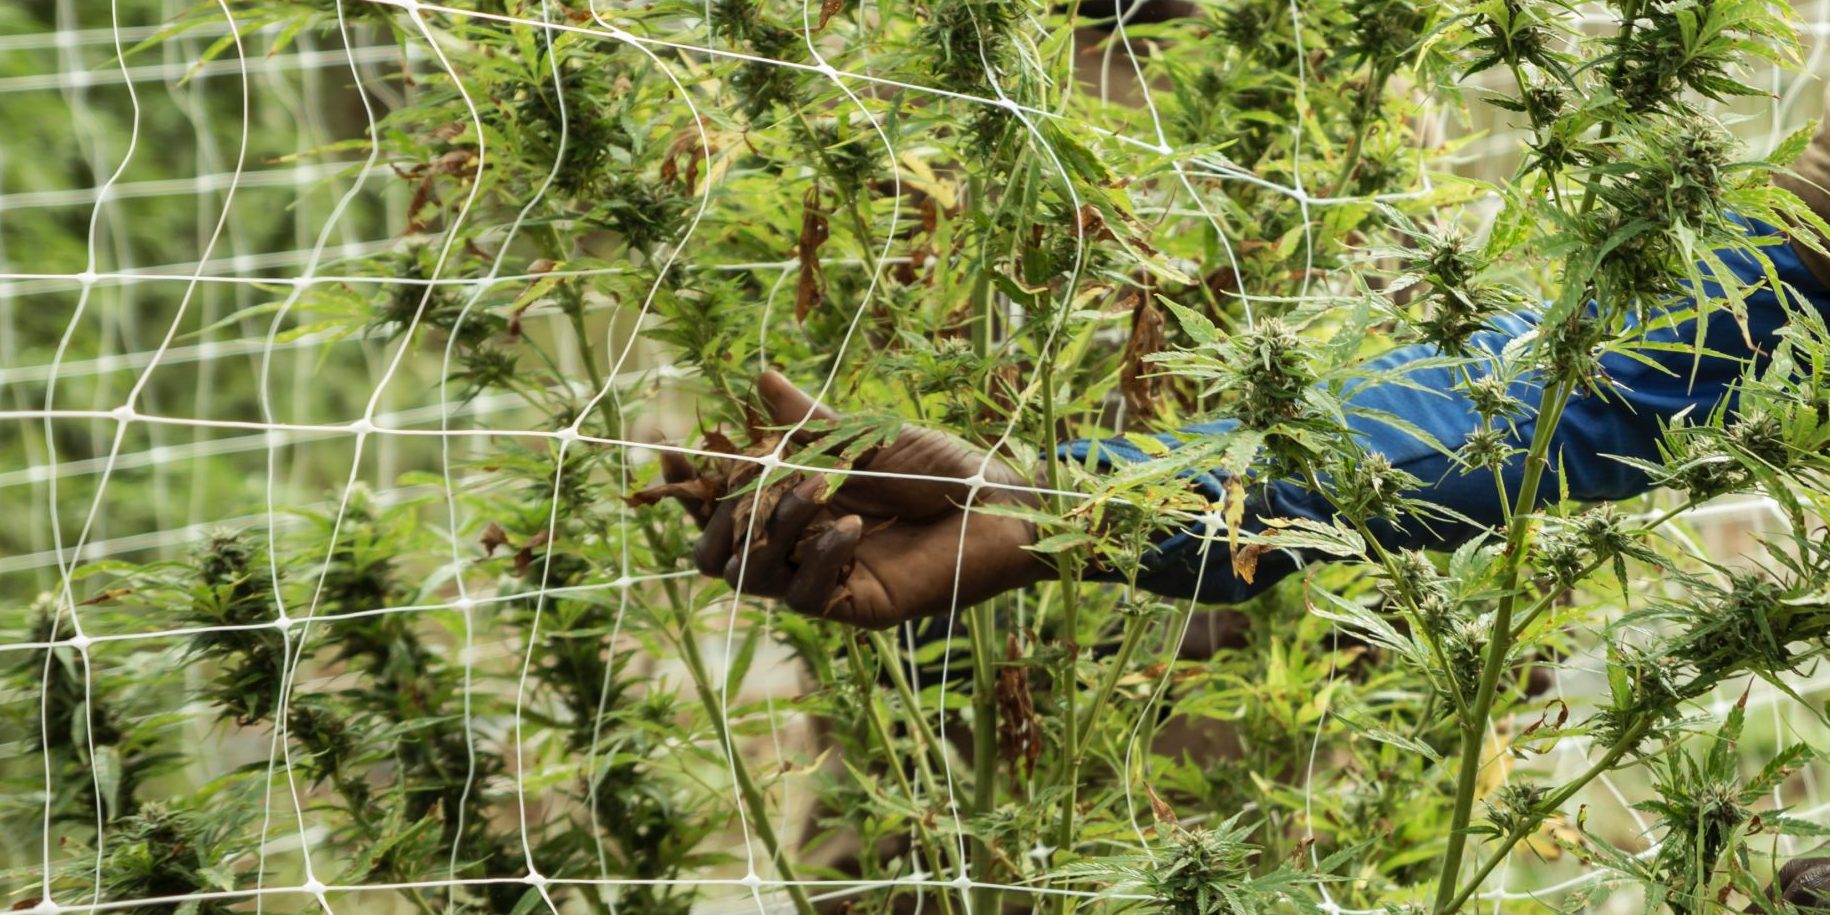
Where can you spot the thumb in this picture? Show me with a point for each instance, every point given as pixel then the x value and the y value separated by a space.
pixel 789 405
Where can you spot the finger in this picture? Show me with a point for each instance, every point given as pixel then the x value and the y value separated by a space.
pixel 823 564
pixel 766 571
pixel 675 468
pixel 714 547
pixel 790 406
pixel 1806 886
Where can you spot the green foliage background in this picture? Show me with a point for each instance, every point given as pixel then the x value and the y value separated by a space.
pixel 417 661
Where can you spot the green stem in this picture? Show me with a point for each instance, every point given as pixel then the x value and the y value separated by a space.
pixel 1069 679
pixel 1629 21
pixel 1375 86
pixel 1606 762
pixel 982 622
pixel 1474 722
pixel 929 742
pixel 1102 694
pixel 746 787
pixel 881 731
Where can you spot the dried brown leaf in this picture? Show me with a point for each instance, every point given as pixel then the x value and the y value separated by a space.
pixel 1165 815
pixel 810 287
pixel 493 538
pixel 1149 334
pixel 524 557
pixel 699 488
pixel 106 596
pixel 1019 728
pixel 1245 560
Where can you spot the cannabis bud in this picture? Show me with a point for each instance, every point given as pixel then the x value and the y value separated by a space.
pixel 1760 435
pixel 1516 807
pixel 1413 573
pixel 1370 487
pixel 1486 448
pixel 1272 373
pixel 1492 398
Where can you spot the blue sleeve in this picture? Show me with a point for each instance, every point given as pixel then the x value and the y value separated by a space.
pixel 1627 423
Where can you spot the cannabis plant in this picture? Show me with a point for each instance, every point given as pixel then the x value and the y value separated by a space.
pixel 418 627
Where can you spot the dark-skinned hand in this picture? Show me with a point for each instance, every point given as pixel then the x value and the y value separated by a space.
pixel 1804 882
pixel 883 549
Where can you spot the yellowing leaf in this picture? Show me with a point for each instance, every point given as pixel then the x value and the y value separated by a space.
pixel 1235 510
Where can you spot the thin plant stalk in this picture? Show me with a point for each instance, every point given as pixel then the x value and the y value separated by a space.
pixel 1473 723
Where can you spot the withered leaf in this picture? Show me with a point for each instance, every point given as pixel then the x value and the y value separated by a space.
pixel 695 147
pixel 106 596
pixel 493 537
pixel 1019 728
pixel 721 443
pixel 1091 224
pixel 1165 815
pixel 1245 560
pixel 810 288
pixel 829 9
pixel 1235 510
pixel 524 557
pixel 1149 334
pixel 700 488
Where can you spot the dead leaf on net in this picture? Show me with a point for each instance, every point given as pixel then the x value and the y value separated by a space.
pixel 494 537
pixel 810 287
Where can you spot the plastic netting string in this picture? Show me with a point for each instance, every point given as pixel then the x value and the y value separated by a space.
pixel 219 178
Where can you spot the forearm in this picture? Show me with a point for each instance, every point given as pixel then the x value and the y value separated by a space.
pixel 1594 432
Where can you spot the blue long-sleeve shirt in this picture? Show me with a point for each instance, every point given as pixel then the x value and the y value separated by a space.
pixel 1593 430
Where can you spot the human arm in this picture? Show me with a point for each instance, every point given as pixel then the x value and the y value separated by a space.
pixel 888 548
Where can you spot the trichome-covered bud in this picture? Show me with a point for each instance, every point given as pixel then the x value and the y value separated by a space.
pixel 1486 448
pixel 1368 486
pixel 1271 372
pixel 1491 397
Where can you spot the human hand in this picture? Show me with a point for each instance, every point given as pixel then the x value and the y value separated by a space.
pixel 885 548
pixel 1803 882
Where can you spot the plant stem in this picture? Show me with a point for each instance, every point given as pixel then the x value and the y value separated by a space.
pixel 1070 627
pixel 746 787
pixel 981 626
pixel 1474 721
pixel 880 729
pixel 929 742
pixel 1127 646
pixel 1550 804
pixel 982 621
pixel 1375 86
pixel 1629 20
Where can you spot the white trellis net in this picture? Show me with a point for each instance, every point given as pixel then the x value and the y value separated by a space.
pixel 104 465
